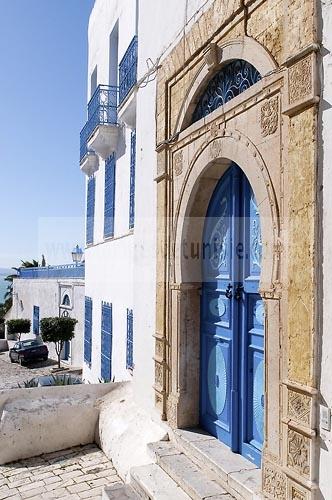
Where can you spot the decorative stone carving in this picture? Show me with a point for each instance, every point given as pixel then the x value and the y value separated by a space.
pixel 215 149
pixel 269 116
pixel 212 55
pixel 178 162
pixel 159 374
pixel 274 482
pixel 297 495
pixel 298 452
pixel 299 406
pixel 159 348
pixel 300 80
pixel 295 491
pixel 214 129
pixel 158 399
pixel 172 412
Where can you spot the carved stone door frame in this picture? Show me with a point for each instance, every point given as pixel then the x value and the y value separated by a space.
pixel 259 130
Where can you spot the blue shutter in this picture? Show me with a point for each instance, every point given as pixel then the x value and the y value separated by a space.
pixel 88 330
pixel 130 340
pixel 106 341
pixel 132 180
pixel 109 196
pixel 35 322
pixel 90 210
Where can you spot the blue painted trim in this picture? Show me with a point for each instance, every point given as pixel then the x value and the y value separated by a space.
pixel 102 110
pixel 109 204
pixel 64 271
pixel 88 330
pixel 106 341
pixel 130 340
pixel 35 320
pixel 128 70
pixel 132 179
pixel 90 210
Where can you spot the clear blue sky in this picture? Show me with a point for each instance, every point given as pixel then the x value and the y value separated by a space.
pixel 43 47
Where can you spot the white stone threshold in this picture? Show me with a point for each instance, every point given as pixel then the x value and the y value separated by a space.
pixel 240 478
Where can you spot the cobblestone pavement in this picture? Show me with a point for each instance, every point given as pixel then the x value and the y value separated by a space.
pixel 79 472
pixel 12 374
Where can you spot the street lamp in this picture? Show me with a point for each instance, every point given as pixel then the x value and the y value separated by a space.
pixel 77 255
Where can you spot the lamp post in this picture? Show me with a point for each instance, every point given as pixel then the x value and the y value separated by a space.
pixel 77 255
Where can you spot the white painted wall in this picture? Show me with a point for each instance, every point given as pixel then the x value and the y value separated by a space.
pixel 123 271
pixel 326 166
pixel 48 295
pixel 109 263
pixel 46 419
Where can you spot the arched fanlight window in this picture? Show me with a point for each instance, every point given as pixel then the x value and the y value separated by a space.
pixel 230 81
pixel 66 300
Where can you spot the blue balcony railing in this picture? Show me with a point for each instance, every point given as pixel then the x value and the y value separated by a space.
pixel 102 110
pixel 64 271
pixel 128 70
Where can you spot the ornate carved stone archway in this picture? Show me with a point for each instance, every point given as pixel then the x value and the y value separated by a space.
pixel 267 131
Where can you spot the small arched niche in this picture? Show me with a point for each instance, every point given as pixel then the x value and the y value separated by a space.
pixel 66 300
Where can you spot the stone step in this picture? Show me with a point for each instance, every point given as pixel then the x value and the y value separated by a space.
pixel 119 491
pixel 150 482
pixel 238 476
pixel 190 477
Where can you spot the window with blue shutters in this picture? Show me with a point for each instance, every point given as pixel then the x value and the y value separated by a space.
pixel 106 341
pixel 132 179
pixel 88 330
pixel 90 210
pixel 130 340
pixel 35 321
pixel 109 197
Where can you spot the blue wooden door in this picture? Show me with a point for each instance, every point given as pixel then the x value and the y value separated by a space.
pixel 35 320
pixel 232 318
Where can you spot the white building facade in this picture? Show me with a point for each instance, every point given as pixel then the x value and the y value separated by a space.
pixel 191 102
pixel 52 291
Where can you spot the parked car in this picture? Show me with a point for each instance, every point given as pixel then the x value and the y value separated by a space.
pixel 28 350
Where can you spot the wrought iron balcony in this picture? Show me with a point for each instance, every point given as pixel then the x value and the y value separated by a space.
pixel 102 110
pixel 56 272
pixel 128 70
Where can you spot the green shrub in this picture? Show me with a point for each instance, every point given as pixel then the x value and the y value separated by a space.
pixel 18 326
pixel 58 330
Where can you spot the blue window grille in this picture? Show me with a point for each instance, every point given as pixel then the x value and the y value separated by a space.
pixel 230 81
pixel 102 110
pixel 90 210
pixel 88 330
pixel 35 321
pixel 128 70
pixel 132 180
pixel 106 341
pixel 109 197
pixel 130 340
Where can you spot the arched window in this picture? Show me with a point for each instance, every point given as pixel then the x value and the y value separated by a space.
pixel 66 300
pixel 233 79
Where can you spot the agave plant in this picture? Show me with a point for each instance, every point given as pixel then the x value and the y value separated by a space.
pixel 29 383
pixel 63 380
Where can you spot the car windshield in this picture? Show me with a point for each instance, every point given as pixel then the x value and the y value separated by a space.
pixel 30 343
